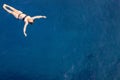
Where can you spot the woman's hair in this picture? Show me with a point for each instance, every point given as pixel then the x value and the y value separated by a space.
pixel 31 22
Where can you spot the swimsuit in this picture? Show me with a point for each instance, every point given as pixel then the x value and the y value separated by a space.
pixel 22 16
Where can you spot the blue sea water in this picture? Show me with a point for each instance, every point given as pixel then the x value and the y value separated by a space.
pixel 79 40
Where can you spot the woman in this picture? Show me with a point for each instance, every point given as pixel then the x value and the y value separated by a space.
pixel 20 15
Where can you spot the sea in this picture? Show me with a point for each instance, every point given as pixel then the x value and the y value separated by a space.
pixel 79 40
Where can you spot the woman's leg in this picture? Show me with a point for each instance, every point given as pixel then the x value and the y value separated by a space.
pixel 9 9
pixel 12 10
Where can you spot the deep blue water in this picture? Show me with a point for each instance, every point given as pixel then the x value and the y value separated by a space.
pixel 79 40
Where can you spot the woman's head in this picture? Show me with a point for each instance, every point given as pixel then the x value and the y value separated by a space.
pixel 30 20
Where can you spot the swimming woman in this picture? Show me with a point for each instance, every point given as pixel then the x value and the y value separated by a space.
pixel 20 15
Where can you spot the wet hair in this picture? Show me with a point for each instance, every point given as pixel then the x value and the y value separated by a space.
pixel 31 23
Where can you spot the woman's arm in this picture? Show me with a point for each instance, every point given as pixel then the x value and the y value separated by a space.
pixel 38 17
pixel 24 29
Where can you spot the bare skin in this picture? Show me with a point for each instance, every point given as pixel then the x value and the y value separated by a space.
pixel 20 15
